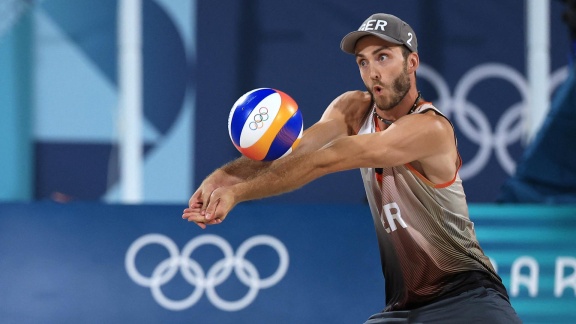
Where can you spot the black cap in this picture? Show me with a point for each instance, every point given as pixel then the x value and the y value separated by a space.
pixel 388 27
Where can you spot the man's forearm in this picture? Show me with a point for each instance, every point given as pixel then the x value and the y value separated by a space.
pixel 285 175
pixel 241 169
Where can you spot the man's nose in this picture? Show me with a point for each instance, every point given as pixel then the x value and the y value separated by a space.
pixel 374 73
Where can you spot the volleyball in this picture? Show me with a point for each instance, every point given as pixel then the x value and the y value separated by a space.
pixel 265 124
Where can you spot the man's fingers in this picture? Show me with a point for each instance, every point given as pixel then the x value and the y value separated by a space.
pixel 211 208
pixel 206 199
pixel 196 199
pixel 220 206
pixel 193 215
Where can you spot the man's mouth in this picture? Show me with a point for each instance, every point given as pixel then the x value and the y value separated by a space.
pixel 377 89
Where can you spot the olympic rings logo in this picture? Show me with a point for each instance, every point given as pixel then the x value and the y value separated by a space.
pixel 473 122
pixel 259 119
pixel 193 273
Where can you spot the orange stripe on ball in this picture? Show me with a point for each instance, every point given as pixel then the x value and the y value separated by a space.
pixel 296 142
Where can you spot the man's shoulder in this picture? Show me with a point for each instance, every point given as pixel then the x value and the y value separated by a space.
pixel 353 106
pixel 356 97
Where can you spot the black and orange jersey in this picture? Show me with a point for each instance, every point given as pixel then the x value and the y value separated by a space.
pixel 428 246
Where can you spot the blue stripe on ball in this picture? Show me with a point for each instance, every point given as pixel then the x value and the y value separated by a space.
pixel 243 110
pixel 285 137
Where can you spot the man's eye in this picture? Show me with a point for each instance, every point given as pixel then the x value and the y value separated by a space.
pixel 383 57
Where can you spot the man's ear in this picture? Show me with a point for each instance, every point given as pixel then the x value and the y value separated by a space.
pixel 413 62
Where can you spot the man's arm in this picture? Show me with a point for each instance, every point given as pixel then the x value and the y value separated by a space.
pixel 426 138
pixel 341 118
pixel 229 174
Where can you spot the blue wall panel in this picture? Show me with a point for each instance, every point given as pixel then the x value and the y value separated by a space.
pixel 89 262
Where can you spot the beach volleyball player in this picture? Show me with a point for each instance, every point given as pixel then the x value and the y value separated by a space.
pixel 434 268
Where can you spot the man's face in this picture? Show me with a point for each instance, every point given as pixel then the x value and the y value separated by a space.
pixel 383 70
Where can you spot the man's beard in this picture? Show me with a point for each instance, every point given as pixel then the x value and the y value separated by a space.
pixel 400 87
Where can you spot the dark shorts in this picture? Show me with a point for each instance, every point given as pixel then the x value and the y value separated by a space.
pixel 480 305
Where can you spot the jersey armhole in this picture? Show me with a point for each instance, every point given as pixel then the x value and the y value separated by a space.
pixel 432 184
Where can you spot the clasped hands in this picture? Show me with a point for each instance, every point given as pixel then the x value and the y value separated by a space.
pixel 209 205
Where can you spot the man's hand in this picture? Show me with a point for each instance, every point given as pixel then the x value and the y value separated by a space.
pixel 197 204
pixel 219 204
pixel 192 214
pixel 196 208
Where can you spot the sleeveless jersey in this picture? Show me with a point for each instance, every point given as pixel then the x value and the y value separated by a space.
pixel 428 246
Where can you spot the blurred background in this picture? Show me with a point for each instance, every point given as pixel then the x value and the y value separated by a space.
pixel 61 89
pixel 116 105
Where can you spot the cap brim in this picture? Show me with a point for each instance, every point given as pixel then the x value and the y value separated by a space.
pixel 348 43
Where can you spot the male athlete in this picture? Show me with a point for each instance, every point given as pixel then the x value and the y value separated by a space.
pixel 434 268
